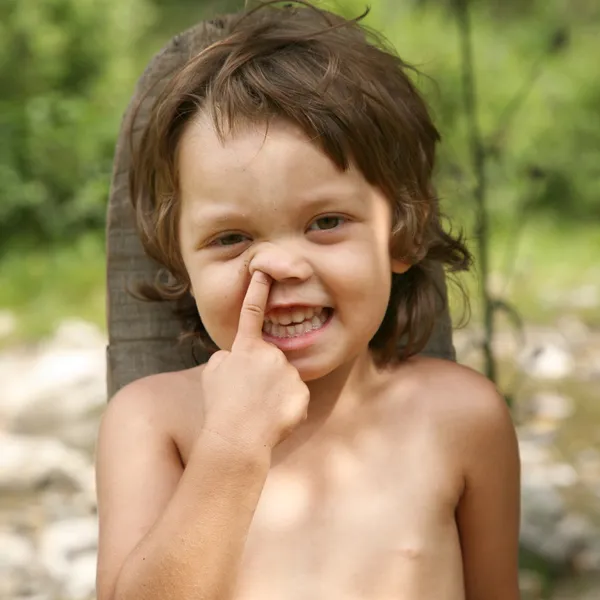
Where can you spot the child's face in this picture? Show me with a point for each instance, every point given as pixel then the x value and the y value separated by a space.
pixel 274 202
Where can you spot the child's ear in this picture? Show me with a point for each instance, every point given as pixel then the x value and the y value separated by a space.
pixel 400 266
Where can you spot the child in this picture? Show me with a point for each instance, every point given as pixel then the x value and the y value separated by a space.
pixel 284 181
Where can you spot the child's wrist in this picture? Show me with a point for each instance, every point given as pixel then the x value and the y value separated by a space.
pixel 245 451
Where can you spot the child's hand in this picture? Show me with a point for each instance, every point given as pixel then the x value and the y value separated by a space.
pixel 253 396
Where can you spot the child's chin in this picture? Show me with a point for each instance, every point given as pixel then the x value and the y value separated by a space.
pixel 312 372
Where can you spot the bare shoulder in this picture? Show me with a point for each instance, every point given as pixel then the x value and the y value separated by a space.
pixel 452 392
pixel 168 404
pixel 463 407
pixel 141 441
pixel 468 424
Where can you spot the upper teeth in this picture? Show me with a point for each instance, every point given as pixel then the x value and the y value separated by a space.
pixel 297 315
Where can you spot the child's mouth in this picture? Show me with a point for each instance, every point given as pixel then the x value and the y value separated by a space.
pixel 297 323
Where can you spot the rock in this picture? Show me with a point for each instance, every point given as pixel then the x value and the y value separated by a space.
pixel 585 296
pixel 533 453
pixel 542 508
pixel 81 584
pixel 8 323
pixel 580 588
pixel 78 334
pixel 531 585
pixel 588 560
pixel 573 329
pixel 538 434
pixel 20 574
pixel 549 475
pixel 541 470
pixel 588 466
pixel 562 475
pixel 29 463
pixel 548 361
pixel 68 551
pixel 59 389
pixel 16 552
pixel 551 406
pixel 588 363
pixel 549 531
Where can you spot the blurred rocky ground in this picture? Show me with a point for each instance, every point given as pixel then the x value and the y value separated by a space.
pixel 52 395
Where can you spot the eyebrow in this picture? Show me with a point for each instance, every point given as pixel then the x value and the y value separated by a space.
pixel 221 215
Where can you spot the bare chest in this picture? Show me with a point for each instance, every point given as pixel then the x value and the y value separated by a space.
pixel 357 521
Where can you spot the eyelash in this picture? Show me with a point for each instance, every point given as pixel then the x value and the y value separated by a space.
pixel 338 218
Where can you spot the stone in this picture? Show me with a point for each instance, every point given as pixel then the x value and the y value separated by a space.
pixel 20 574
pixel 549 531
pixel 29 463
pixel 58 388
pixel 548 361
pixel 16 552
pixel 531 585
pixel 542 508
pixel 585 296
pixel 562 475
pixel 68 551
pixel 573 329
pixel 588 560
pixel 551 406
pixel 8 323
pixel 588 465
pixel 544 475
pixel 533 453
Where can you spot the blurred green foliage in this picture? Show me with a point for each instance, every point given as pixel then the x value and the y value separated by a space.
pixel 68 68
pixel 66 72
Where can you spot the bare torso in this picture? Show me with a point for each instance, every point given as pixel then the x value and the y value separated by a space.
pixel 359 507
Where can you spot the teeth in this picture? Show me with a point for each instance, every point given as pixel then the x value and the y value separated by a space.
pixel 308 323
pixel 296 317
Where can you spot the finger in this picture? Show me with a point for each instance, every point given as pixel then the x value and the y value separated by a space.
pixel 252 315
pixel 216 359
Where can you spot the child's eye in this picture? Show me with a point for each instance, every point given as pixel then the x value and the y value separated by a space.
pixel 326 222
pixel 229 239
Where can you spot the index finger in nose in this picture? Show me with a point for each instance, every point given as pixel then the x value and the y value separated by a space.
pixel 252 315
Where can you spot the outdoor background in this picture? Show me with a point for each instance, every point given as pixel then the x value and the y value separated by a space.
pixel 67 71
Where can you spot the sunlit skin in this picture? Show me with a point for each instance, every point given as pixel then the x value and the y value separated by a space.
pixel 271 200
pixel 401 484
pixel 275 203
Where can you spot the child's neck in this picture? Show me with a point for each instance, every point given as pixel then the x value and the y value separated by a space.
pixel 342 391
pixel 335 401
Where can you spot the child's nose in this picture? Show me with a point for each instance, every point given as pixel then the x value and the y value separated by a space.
pixel 280 263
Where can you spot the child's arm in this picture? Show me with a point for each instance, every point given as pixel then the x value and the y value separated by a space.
pixel 164 534
pixel 489 510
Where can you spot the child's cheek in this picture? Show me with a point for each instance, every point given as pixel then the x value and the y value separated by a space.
pixel 219 291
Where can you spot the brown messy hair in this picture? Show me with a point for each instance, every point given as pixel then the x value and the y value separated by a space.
pixel 352 95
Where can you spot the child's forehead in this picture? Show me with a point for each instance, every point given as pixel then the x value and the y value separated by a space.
pixel 267 158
